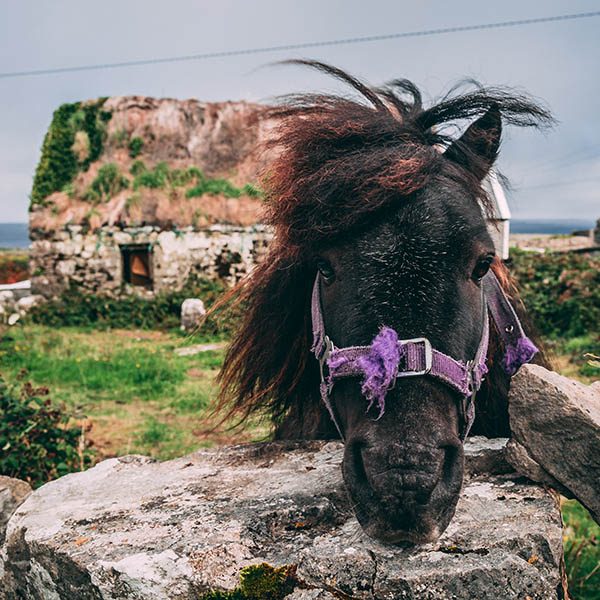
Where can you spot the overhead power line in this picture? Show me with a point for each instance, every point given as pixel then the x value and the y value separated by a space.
pixel 266 49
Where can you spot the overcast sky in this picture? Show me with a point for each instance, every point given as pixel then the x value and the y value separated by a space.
pixel 555 175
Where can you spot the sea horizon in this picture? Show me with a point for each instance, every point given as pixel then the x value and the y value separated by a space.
pixel 16 235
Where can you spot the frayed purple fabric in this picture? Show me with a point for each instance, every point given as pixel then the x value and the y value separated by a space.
pixel 379 367
pixel 515 356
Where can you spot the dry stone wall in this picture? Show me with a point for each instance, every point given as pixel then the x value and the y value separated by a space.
pixel 93 260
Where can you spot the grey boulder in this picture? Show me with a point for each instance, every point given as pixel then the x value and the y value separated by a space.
pixel 13 492
pixel 133 528
pixel 555 425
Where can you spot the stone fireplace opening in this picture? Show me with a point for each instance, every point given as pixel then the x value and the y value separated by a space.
pixel 137 265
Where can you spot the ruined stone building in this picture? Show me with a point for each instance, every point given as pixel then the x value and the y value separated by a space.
pixel 134 193
pixel 139 194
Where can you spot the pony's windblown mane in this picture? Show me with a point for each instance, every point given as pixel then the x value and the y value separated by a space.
pixel 340 162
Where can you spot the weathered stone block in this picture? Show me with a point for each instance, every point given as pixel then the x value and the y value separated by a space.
pixel 192 311
pixel 65 268
pixel 134 528
pixel 556 423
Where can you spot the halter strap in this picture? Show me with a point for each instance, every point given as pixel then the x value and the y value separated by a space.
pixel 416 357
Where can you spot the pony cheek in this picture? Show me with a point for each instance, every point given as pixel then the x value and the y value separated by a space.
pixel 350 406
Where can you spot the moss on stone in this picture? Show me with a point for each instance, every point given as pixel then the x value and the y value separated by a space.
pixel 60 162
pixel 260 582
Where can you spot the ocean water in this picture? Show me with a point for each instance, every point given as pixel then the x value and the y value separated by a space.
pixel 14 235
pixel 555 226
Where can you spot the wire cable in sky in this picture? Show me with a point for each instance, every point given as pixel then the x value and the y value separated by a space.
pixel 263 50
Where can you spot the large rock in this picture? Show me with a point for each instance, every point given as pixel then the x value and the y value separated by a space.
pixel 13 493
pixel 134 528
pixel 555 424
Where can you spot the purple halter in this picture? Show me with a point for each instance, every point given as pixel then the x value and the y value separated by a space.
pixel 388 357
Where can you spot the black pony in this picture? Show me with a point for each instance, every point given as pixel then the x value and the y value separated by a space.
pixel 374 196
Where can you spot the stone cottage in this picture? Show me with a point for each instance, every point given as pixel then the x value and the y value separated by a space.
pixel 138 194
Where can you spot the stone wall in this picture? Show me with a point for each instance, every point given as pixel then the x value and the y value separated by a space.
pixel 93 260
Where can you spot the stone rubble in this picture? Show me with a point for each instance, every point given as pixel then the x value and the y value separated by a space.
pixel 555 424
pixel 133 528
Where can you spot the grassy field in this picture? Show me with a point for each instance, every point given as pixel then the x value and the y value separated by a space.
pixel 133 393
pixel 130 389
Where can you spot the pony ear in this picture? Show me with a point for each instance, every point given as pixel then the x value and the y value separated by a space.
pixel 476 150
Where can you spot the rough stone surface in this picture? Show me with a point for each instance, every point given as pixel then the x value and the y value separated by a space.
pixel 134 528
pixel 556 423
pixel 192 311
pixel 13 493
pixel 93 260
pixel 26 303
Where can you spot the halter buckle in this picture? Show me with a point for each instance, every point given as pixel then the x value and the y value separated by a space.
pixel 428 357
pixel 329 348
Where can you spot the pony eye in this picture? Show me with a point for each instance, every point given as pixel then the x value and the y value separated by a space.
pixel 481 268
pixel 326 270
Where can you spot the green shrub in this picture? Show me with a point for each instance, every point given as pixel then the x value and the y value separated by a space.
pixel 135 146
pixel 157 178
pixel 36 441
pixel 138 167
pixel 108 183
pixel 560 291
pixel 161 176
pixel 58 164
pixel 214 187
pixel 162 311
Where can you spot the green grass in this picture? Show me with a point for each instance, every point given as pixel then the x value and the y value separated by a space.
pixel 137 393
pixel 139 396
pixel 582 552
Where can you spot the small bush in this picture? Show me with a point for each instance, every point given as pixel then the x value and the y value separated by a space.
pixel 137 168
pixel 37 444
pixel 135 146
pixel 214 187
pixel 162 311
pixel 157 178
pixel 161 176
pixel 560 291
pixel 108 183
